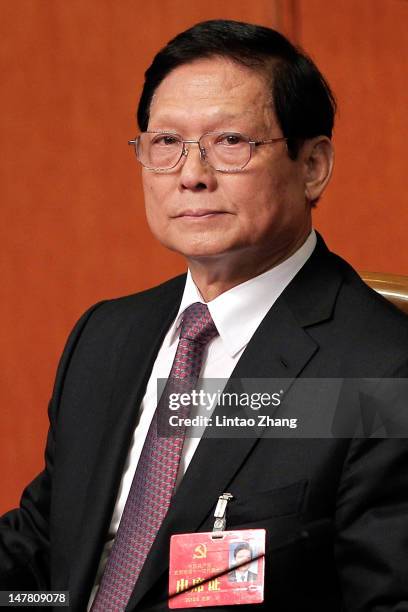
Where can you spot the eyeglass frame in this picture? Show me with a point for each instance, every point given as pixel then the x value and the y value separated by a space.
pixel 203 154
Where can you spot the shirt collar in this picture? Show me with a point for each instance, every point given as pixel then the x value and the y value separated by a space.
pixel 238 312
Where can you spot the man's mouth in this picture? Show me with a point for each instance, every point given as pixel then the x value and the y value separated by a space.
pixel 199 213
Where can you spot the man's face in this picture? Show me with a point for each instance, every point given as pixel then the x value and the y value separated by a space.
pixel 258 214
pixel 243 557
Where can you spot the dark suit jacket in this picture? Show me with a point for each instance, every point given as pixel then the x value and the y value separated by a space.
pixel 335 510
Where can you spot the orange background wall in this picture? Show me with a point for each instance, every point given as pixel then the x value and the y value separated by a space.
pixel 72 222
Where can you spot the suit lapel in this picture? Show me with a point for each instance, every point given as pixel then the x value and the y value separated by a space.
pixel 279 349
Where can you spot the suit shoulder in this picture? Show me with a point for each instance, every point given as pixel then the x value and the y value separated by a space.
pixel 170 287
pixel 169 291
pixel 115 316
pixel 370 328
pixel 368 305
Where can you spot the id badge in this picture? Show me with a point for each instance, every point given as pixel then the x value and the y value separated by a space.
pixel 217 568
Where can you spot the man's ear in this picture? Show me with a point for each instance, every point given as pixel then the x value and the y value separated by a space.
pixel 319 160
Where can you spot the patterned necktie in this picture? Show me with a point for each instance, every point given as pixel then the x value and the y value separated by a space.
pixel 153 483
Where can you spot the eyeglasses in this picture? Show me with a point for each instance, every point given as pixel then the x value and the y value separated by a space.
pixel 223 151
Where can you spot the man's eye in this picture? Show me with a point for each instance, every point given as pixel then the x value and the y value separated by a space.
pixel 230 139
pixel 165 140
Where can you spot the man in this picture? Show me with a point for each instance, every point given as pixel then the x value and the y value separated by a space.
pixel 242 563
pixel 236 149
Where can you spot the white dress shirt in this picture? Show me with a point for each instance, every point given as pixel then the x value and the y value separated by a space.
pixel 237 314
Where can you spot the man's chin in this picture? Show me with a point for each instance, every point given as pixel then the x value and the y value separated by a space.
pixel 206 255
pixel 199 250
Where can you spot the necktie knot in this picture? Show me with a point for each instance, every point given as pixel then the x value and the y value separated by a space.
pixel 197 324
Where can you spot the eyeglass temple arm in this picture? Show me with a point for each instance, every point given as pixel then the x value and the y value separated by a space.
pixel 258 143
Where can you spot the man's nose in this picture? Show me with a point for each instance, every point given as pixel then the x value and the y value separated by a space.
pixel 196 174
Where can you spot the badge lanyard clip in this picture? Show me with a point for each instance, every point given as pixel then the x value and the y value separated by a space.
pixel 220 513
